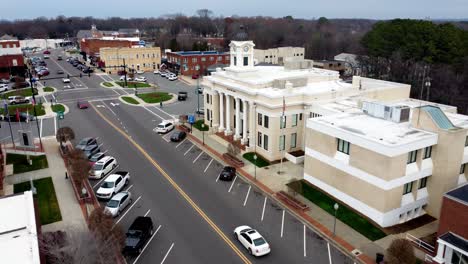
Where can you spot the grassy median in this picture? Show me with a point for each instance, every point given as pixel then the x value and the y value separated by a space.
pixel 107 84
pixel 155 97
pixel 48 89
pixel 23 92
pixel 58 108
pixel 134 84
pixel 130 100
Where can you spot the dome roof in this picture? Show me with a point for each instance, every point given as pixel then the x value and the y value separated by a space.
pixel 241 34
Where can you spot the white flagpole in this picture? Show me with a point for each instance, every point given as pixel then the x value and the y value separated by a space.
pixel 283 125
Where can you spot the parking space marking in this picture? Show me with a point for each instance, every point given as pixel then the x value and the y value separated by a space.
pixel 139 197
pixel 149 241
pixel 153 112
pixel 282 224
pixel 165 137
pixel 217 178
pixel 180 143
pixel 263 211
pixel 247 196
pixel 207 166
pixel 305 252
pixel 329 254
pixel 149 210
pixel 167 254
pixel 195 160
pixel 230 188
pixel 129 188
pixel 189 150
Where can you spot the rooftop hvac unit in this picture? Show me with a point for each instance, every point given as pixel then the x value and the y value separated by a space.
pixel 400 114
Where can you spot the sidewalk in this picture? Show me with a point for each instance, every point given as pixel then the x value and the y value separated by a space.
pixel 72 216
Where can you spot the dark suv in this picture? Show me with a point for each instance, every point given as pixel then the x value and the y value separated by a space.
pixel 227 174
pixel 138 234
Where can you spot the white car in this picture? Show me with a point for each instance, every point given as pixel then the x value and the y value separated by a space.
pixel 140 79
pixel 46 56
pixel 252 241
pixel 122 78
pixel 118 202
pixel 66 80
pixel 156 72
pixel 113 184
pixel 3 87
pixel 169 75
pixel 164 73
pixel 164 127
pixel 103 167
pixel 140 71
pixel 172 77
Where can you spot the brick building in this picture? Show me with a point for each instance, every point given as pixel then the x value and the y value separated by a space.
pixel 11 58
pixel 142 58
pixel 452 242
pixel 196 62
pixel 91 46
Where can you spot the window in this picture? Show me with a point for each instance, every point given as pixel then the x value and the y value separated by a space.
pixel 259 119
pixel 294 120
pixel 246 61
pixel 203 59
pixel 313 115
pixel 266 122
pixel 194 59
pixel 427 152
pixel 185 60
pixel 211 58
pixel 220 58
pixel 412 156
pixel 259 139
pixel 265 142
pixel 462 169
pixel 281 142
pixel 197 67
pixel 235 61
pixel 407 188
pixel 282 122
pixel 207 98
pixel 293 140
pixel 300 116
pixel 466 141
pixel 343 146
pixel 422 183
pixel 153 55
pixel 137 56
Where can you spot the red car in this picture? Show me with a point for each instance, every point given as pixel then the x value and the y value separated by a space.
pixel 195 76
pixel 46 52
pixel 82 104
pixel 43 73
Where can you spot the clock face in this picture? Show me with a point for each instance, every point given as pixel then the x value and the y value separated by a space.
pixel 246 48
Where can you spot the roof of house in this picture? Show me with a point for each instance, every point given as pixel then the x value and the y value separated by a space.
pixel 8 37
pixel 18 231
pixel 455 240
pixel 459 193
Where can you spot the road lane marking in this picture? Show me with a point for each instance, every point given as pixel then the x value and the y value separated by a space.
pixel 40 130
pixel 110 110
pixel 247 196
pixel 189 150
pixel 167 254
pixel 149 241
pixel 136 201
pixel 153 112
pixel 230 188
pixel 305 252
pixel 180 143
pixel 129 188
pixel 166 113
pixel 263 211
pixel 195 160
pixel 282 224
pixel 187 198
pixel 207 166
pixel 217 178
pixel 149 210
pixel 329 254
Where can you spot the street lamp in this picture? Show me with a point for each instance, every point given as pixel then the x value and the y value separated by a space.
pixel 335 206
pixel 428 88
pixel 203 132
pixel 255 165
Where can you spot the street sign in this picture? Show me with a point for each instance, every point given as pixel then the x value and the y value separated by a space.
pixel 33 80
pixel 141 43
pixel 191 119
pixel 60 115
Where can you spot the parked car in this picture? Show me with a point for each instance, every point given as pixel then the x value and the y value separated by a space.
pixel 60 72
pixel 172 77
pixel 103 167
pixel 252 241
pixel 200 90
pixel 121 72
pixel 200 111
pixel 118 203
pixel 43 73
pixel 140 71
pixel 113 184
pixel 228 173
pixel 182 96
pixel 164 127
pixel 46 56
pixel 59 57
pixel 140 79
pixel 18 99
pixel 5 81
pixel 88 70
pixel 4 87
pixel 178 136
pixel 96 157
pixel 195 76
pixel 22 117
pixel 86 142
pixel 19 85
pixel 139 232
pixel 16 79
pixel 82 104
pixel 156 72
pixel 90 150
pixel 66 80
pixel 46 52
pixel 164 73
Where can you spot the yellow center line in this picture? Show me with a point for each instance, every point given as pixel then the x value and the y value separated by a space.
pixel 178 188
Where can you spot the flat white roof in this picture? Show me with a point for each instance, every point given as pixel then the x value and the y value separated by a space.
pixel 11 51
pixel 18 235
pixel 458 119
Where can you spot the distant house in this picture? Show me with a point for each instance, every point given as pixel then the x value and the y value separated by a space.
pixel 351 63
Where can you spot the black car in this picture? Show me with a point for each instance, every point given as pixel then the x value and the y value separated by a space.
pixel 178 136
pixel 18 85
pixel 86 142
pixel 227 174
pixel 88 70
pixel 90 150
pixel 59 71
pixel 182 96
pixel 138 234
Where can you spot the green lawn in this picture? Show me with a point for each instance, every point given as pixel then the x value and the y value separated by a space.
pixel 25 108
pixel 48 89
pixel 49 210
pixel 346 215
pixel 130 100
pixel 261 162
pixel 20 163
pixel 134 84
pixel 23 92
pixel 198 125
pixel 155 97
pixel 58 108
pixel 107 84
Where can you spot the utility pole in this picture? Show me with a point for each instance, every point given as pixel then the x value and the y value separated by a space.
pixel 125 72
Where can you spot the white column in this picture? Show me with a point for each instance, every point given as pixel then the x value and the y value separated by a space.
pixel 253 124
pixel 228 130
pixel 221 112
pixel 238 125
pixel 440 253
pixel 244 119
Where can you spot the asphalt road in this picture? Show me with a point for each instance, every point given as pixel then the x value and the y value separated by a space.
pixel 176 183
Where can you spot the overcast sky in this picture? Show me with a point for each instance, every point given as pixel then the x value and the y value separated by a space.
pixel 375 9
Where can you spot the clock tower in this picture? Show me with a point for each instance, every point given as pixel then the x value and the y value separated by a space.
pixel 242 54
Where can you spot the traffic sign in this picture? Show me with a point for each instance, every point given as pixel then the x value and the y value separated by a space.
pixel 191 119
pixel 60 115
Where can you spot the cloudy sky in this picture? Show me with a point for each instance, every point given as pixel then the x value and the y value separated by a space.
pixel 375 9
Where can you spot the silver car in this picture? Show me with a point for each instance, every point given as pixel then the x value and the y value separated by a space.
pixel 118 203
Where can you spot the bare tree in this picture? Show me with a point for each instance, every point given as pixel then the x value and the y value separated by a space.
pixel 233 150
pixel 400 252
pixel 102 225
pixel 64 134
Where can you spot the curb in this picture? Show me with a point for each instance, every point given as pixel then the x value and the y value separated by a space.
pixel 314 224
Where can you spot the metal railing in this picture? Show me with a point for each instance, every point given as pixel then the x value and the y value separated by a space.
pixel 420 243
pixel 428 258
